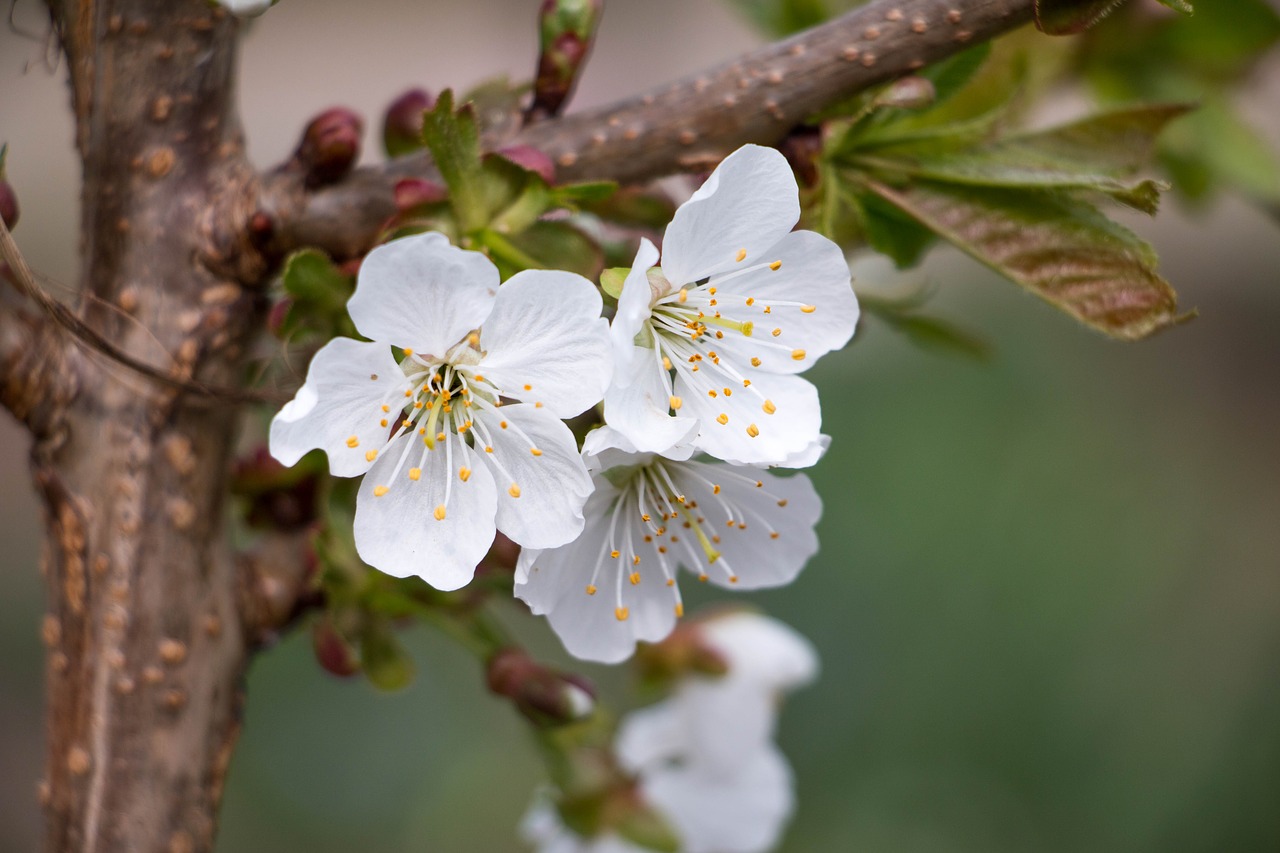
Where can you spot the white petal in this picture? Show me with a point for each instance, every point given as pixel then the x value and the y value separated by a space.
pixel 725 422
pixel 556 580
pixel 605 448
pixel 639 408
pixel 651 736
pixel 749 202
pixel 633 310
pixel 421 292
pixel 752 553
pixel 820 313
pixel 546 341
pixel 544 510
pixel 741 814
pixel 401 533
pixel 762 650
pixel 347 384
pixel 808 457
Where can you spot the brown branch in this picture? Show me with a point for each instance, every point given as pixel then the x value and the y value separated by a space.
pixel 684 126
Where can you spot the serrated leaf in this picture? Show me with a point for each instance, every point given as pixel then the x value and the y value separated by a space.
pixel 1061 249
pixel 454 141
pixel 1068 17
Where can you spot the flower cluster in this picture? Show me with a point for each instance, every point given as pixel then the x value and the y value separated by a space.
pixel 705 757
pixel 454 412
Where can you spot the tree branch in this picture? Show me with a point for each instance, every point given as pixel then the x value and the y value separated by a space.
pixel 684 126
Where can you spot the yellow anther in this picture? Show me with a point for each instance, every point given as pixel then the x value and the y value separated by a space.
pixel 634 578
pixel 386 408
pixel 502 424
pixel 746 383
pixel 528 387
pixel 635 561
pixel 488 450
pixel 742 254
pixel 514 491
pixel 733 578
pixel 675 402
pixel 769 407
pixel 759 484
pixel 808 309
pixel 722 419
pixel 418 405
pixel 415 473
pixel 537 405
pixel 622 613
pixel 702 578
pixel 479 378
pixel 464 474
pixel 747 328
pixel 776 332
pixel 782 502
pixel 666 363
pixel 753 430
pixel 370 456
pixel 408 350
pixel 422 430
pixel 379 491
pixel 773 535
pixel 715 490
pixel 797 354
pixel 683 296
pixel 473 339
pixel 382 422
pixel 644 516
pixel 711 393
pixel 615 554
pixel 714 302
pixel 353 441
pixel 728 392
pixel 679 610
pixel 768 309
pixel 591 589
pixel 719 334
pixel 439 512
pixel 775 266
pixel 711 290
pixel 535 451
pixel 755 362
pixel 751 300
pixel 440 436
pixel 408 393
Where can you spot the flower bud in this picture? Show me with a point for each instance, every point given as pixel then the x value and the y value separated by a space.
pixel 531 160
pixel 542 695
pixel 278 317
pixel 414 192
pixel 908 93
pixel 566 29
pixel 332 650
pixel 402 124
pixel 330 146
pixel 8 205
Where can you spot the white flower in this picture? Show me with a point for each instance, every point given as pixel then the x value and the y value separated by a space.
pixel 649 514
pixel 707 345
pixel 247 8
pixel 704 759
pixel 445 451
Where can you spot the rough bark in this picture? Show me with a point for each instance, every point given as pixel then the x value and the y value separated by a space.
pixel 147 647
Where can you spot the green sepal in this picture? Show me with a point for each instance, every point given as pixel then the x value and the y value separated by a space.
pixel 612 279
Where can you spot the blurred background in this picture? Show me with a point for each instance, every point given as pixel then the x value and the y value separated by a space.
pixel 1048 596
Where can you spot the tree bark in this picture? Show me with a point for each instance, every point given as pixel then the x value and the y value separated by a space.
pixel 147 647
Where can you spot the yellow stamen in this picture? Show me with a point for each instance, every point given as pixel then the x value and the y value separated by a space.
pixel 535 451
pixel 439 513
pixel 776 332
pixel 591 589
pixel 769 407
pixel 622 613
pixel 528 387
pixel 775 266
pixel 514 491
pixel 382 422
pixel 742 254
pixel 473 339
pixel 386 408
pixel 464 474
pixel 722 419
pixel 666 363
pixel 675 402
pixel 679 610
pixel 379 491
pixel 415 474
pixel 751 300
pixel 502 424
pixel 684 295
pixel 353 441
pixel 635 578
pixel 782 502
pixel 797 354
pixel 755 362
pixel 614 554
pixel 808 309
pixel 371 455
pixel 753 430
pixel 408 351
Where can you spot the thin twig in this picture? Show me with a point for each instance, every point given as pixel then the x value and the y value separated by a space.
pixel 87 336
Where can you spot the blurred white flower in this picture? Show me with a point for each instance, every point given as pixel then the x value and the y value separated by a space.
pixel 447 457
pixel 649 514
pixel 706 346
pixel 247 8
pixel 704 758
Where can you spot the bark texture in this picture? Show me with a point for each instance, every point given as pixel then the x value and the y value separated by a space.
pixel 147 647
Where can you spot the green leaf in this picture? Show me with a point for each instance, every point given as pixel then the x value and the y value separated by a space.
pixel 558 245
pixel 454 142
pixel 310 275
pixel 891 232
pixel 926 332
pixel 952 74
pixel 612 280
pixel 1179 6
pixel 1068 17
pixel 1059 248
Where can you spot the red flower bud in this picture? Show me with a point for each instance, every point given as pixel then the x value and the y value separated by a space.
pixel 8 205
pixel 531 160
pixel 330 146
pixel 332 650
pixel 402 124
pixel 412 192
